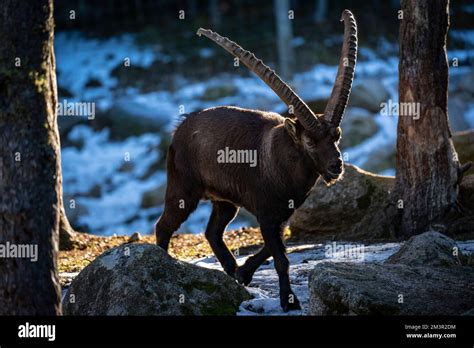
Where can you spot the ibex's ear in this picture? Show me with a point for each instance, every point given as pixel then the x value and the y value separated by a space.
pixel 293 128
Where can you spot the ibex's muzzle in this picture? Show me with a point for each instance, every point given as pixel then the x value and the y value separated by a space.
pixel 336 167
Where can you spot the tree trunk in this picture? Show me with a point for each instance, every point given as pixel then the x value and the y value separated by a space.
pixel 214 13
pixel 284 37
pixel 426 183
pixel 67 235
pixel 30 184
pixel 320 10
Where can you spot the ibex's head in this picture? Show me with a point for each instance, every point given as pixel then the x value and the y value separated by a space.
pixel 317 134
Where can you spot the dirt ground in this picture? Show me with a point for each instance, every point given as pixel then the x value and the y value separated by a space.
pixel 183 246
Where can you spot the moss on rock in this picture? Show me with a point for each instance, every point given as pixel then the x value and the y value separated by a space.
pixel 346 210
pixel 142 279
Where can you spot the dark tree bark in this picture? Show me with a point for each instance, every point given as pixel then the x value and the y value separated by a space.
pixel 214 13
pixel 426 185
pixel 320 10
pixel 30 167
pixel 67 235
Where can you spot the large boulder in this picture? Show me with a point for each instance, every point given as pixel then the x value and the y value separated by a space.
pixel 154 197
pixel 346 210
pixel 457 106
pixel 142 279
pixel 466 84
pixel 466 193
pixel 358 124
pixel 381 158
pixel 219 91
pixel 464 145
pixel 428 249
pixel 463 227
pixel 123 123
pixel 425 277
pixel 369 94
pixel 390 289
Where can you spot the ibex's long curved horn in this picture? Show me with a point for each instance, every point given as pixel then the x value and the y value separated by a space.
pixel 345 74
pixel 304 114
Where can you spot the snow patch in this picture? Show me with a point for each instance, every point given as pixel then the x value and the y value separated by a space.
pixel 303 258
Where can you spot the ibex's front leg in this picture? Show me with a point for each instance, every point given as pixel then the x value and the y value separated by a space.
pixel 245 272
pixel 271 233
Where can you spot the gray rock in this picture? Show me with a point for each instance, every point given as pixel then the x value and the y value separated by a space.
pixel 384 157
pixel 135 237
pixel 154 197
pixel 457 107
pixel 346 209
pixel 374 289
pixel 466 83
pixel 469 312
pixel 220 91
pixel 127 118
pixel 358 124
pixel 142 279
pixel 466 192
pixel 428 249
pixel 368 94
pixel 464 145
pixel 381 158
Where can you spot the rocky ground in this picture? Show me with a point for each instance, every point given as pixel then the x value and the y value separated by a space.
pixel 328 278
pixel 185 247
pixel 431 274
pixel 142 279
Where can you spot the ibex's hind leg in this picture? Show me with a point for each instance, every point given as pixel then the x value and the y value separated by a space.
pixel 222 214
pixel 177 209
pixel 271 233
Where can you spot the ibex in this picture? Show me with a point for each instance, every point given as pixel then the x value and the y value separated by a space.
pixel 292 153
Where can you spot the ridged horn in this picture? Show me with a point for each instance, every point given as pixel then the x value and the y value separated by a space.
pixel 345 74
pixel 304 114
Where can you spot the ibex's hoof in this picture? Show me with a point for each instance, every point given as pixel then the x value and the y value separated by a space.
pixel 243 277
pixel 290 303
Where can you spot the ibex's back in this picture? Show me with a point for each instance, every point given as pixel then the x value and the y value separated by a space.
pixel 258 160
pixel 242 156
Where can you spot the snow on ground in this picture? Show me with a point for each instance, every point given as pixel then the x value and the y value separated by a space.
pixel 80 59
pixel 465 36
pixel 118 169
pixel 303 258
pixel 469 116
